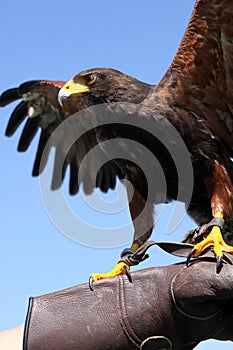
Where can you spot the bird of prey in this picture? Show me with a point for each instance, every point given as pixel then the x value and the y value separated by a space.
pixel 195 96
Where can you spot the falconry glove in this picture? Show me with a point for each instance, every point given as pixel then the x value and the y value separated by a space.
pixel 158 310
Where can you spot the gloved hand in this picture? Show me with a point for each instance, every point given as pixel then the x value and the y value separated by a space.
pixel 172 307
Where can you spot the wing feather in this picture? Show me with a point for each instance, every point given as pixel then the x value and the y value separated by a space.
pixel 29 131
pixel 9 96
pixel 74 184
pixel 200 76
pixel 40 162
pixel 17 117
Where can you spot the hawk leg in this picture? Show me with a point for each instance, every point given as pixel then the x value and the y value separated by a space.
pixel 142 218
pixel 221 192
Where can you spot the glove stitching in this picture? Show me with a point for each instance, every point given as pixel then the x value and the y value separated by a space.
pixel 124 319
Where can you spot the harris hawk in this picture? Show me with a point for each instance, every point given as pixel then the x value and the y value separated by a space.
pixel 195 96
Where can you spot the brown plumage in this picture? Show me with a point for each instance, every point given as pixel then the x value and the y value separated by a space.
pixel 195 96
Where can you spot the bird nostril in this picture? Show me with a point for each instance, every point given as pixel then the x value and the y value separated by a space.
pixel 67 87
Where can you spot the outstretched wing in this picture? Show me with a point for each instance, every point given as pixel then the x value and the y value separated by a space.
pixel 200 77
pixel 41 110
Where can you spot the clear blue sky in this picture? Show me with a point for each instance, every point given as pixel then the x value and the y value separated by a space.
pixel 55 40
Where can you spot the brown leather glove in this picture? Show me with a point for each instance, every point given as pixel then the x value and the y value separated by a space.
pixel 172 307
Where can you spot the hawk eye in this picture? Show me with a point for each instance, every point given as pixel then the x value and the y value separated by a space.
pixel 90 78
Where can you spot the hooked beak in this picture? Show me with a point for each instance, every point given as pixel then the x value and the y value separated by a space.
pixel 69 89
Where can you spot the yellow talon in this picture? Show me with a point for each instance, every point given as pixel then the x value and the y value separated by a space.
pixel 120 269
pixel 214 239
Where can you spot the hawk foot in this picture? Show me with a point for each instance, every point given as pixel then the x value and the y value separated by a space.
pixel 120 269
pixel 215 240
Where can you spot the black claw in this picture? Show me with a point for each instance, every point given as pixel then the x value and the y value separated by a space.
pixel 127 273
pixel 91 283
pixel 219 264
pixel 190 255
